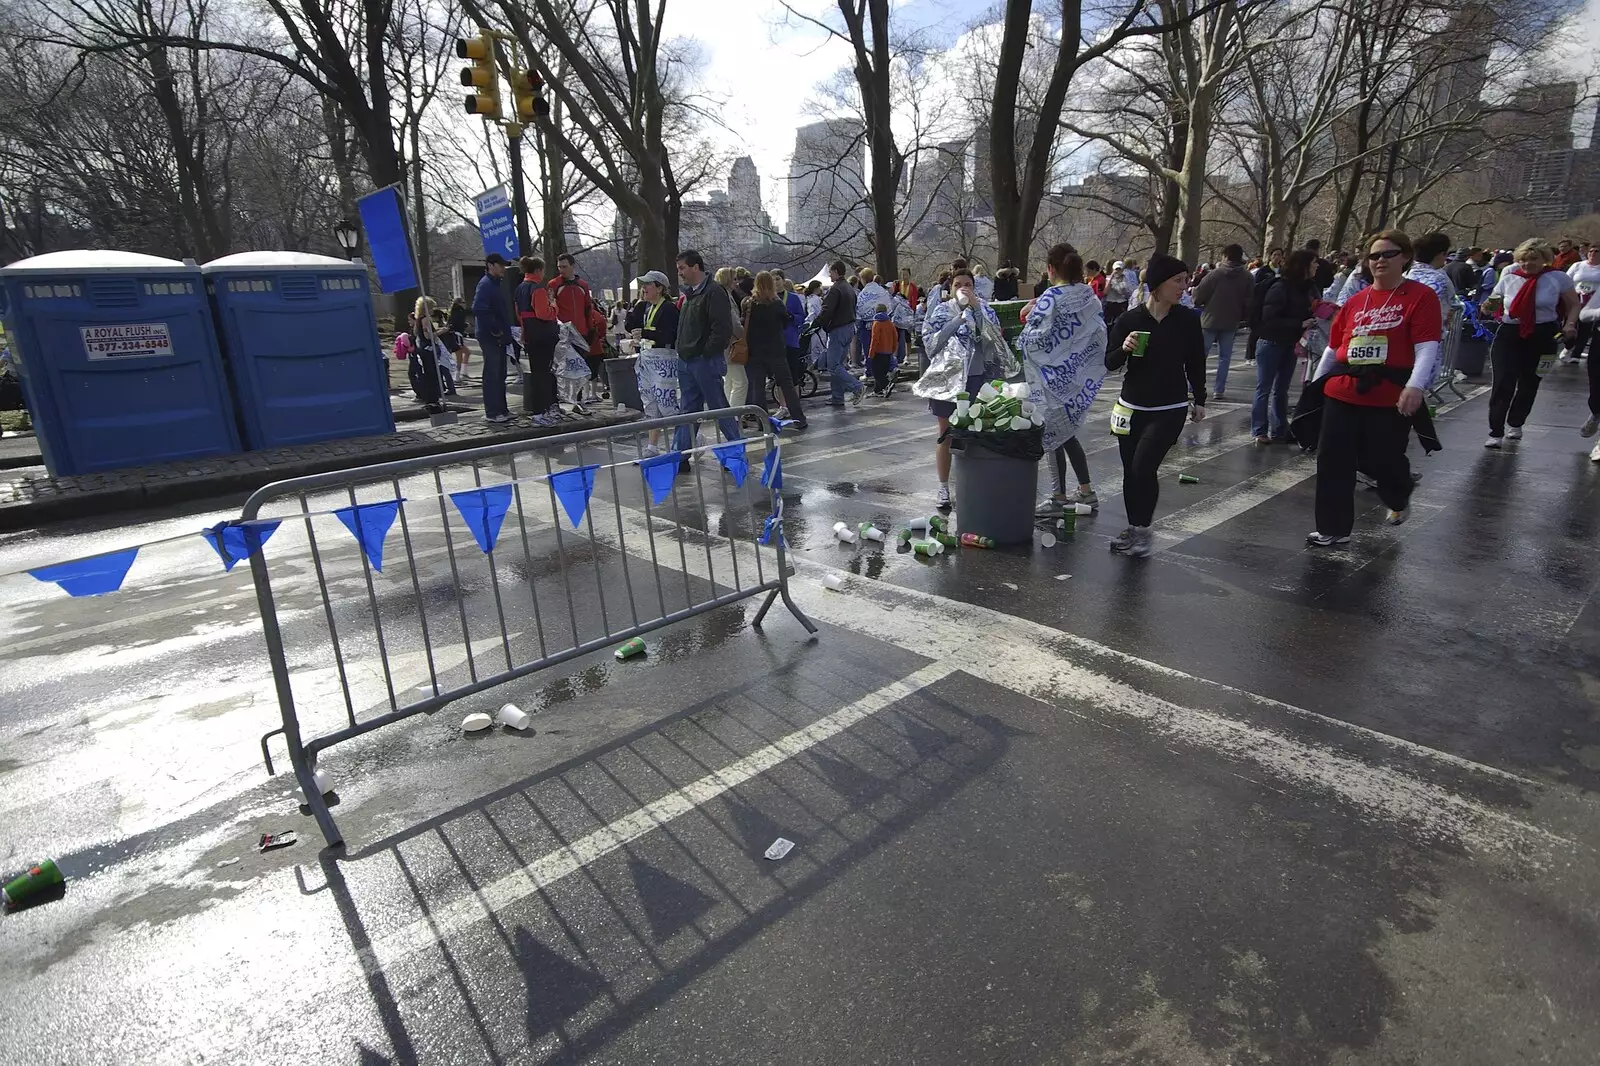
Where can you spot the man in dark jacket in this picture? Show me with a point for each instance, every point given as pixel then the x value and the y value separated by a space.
pixel 494 335
pixel 1223 297
pixel 1323 269
pixel 705 328
pixel 838 320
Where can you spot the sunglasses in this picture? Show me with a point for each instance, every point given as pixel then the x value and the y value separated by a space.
pixel 1387 253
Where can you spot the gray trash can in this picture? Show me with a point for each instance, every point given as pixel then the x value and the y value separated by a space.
pixel 994 493
pixel 623 376
pixel 1471 355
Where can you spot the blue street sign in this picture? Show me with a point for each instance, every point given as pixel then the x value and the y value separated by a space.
pixel 383 216
pixel 495 222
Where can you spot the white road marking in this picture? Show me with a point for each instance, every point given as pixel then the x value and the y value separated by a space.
pixel 553 866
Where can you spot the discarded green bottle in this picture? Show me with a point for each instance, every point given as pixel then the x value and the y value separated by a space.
pixel 40 877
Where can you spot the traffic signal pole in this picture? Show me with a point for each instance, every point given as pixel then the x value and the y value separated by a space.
pixel 482 76
pixel 519 195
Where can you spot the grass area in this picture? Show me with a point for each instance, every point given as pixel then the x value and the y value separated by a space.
pixel 14 420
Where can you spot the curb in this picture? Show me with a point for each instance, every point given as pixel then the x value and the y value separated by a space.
pixel 33 513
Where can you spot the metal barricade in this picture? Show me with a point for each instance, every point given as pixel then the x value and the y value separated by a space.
pixel 1449 345
pixel 451 618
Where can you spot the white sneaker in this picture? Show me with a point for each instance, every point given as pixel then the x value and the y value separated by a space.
pixel 1594 454
pixel 944 497
pixel 1050 507
pixel 782 415
pixel 1397 518
pixel 1492 442
pixel 1589 426
pixel 1513 433
pixel 1323 540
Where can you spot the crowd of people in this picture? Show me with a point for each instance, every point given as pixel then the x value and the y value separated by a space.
pixel 1366 326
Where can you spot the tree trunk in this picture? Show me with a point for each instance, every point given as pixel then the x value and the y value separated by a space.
pixel 1192 189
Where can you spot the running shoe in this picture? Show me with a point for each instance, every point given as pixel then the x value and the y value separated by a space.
pixel 944 498
pixel 782 414
pixel 857 396
pixel 1513 433
pixel 1366 479
pixel 1087 496
pixel 1589 426
pixel 1050 507
pixel 888 392
pixel 1397 518
pixel 498 420
pixel 1322 540
pixel 1492 442
pixel 1594 454
pixel 1122 541
pixel 1262 442
pixel 1144 542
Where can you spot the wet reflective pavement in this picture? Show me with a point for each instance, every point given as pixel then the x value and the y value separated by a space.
pixel 1242 802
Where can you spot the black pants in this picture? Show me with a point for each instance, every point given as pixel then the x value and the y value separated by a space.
pixel 539 340
pixel 880 370
pixel 1114 310
pixel 1515 359
pixel 797 364
pixel 1150 436
pixel 774 365
pixel 1070 451
pixel 1370 439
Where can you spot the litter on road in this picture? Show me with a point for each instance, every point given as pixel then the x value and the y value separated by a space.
pixel 832 582
pixel 476 722
pixel 273 841
pixel 35 881
pixel 780 848
pixel 631 648
pixel 513 717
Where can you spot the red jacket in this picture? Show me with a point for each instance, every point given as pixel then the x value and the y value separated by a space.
pixel 573 304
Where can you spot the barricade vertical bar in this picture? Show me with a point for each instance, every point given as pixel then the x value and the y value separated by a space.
pixel 455 576
pixel 416 588
pixel 727 518
pixel 622 538
pixel 650 532
pixel 705 519
pixel 527 556
pixel 594 553
pixel 327 608
pixel 561 549
pixel 683 554
pixel 757 519
pixel 494 580
pixel 377 623
pixel 273 637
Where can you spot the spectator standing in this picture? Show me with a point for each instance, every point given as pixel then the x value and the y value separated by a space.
pixel 1116 293
pixel 735 379
pixel 1322 272
pixel 537 311
pixel 767 321
pixel 908 288
pixel 705 329
pixel 982 283
pixel 1223 297
pixel 795 305
pixel 882 345
pixel 494 336
pixel 1005 283
pixel 1285 316
pixel 458 326
pixel 575 304
pixel 1265 275
pixel 838 319
pixel 1566 255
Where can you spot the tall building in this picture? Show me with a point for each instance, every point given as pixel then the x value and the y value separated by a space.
pixel 827 185
pixel 728 220
pixel 936 191
pixel 1534 161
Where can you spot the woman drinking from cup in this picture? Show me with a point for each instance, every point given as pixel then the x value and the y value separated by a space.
pixel 1160 343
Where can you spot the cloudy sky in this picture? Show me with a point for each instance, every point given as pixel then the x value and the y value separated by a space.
pixel 765 63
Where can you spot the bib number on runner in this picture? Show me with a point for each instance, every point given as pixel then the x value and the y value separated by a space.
pixel 1547 363
pixel 1121 419
pixel 1367 351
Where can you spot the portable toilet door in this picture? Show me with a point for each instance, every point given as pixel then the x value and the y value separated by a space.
pixel 118 359
pixel 300 338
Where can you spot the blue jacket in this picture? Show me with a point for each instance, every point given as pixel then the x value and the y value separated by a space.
pixel 797 317
pixel 489 305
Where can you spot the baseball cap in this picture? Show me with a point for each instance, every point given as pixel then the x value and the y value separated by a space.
pixel 1117 265
pixel 495 257
pixel 654 277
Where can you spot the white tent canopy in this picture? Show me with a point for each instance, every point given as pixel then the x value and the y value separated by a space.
pixel 822 276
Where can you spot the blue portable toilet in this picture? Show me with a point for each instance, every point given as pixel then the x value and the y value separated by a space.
pixel 300 339
pixel 118 359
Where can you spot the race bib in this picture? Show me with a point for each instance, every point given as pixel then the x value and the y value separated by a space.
pixel 1367 351
pixel 1547 363
pixel 1121 419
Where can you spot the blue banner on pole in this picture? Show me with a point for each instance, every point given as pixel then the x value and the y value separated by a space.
pixel 484 510
pixel 369 523
pixel 496 223
pixel 90 577
pixel 383 217
pixel 659 473
pixel 573 488
pixel 234 541
pixel 733 459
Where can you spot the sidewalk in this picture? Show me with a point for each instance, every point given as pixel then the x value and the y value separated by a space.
pixel 35 498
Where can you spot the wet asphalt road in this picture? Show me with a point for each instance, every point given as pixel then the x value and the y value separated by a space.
pixel 1238 803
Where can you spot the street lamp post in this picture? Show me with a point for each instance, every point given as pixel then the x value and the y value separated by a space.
pixel 345 232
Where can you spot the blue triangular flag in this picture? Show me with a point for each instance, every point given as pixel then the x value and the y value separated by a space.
pixel 235 541
pixel 369 523
pixel 659 472
pixel 769 528
pixel 484 511
pixel 573 488
pixel 90 577
pixel 731 456
pixel 772 471
pixel 781 424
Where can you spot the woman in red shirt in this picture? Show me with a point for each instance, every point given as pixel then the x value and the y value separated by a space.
pixel 1381 355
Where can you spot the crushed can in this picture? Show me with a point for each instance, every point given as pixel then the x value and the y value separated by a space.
pixel 631 648
pixel 39 878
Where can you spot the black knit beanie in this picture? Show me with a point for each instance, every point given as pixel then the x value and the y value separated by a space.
pixel 1163 268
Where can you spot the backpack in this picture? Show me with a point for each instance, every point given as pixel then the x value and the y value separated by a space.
pixel 739 347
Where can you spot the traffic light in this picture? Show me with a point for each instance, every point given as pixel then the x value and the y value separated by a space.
pixel 481 75
pixel 527 95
